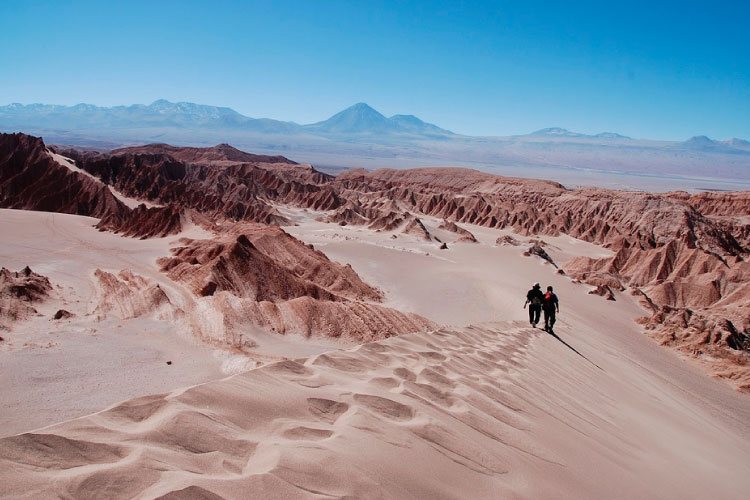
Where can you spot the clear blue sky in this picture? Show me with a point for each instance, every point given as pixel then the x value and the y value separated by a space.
pixel 662 70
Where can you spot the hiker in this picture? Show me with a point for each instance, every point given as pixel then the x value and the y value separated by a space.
pixel 550 305
pixel 534 299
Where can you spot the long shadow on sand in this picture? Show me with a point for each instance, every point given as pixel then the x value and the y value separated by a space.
pixel 551 332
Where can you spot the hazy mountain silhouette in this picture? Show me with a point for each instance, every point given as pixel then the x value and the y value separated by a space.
pixel 357 119
pixel 361 118
pixel 554 132
pixel 561 132
pixel 160 113
pixel 354 119
pixel 738 143
pixel 705 144
pixel 362 136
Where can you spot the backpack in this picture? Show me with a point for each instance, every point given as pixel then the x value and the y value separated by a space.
pixel 548 300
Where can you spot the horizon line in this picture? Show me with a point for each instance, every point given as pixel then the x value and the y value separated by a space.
pixel 543 129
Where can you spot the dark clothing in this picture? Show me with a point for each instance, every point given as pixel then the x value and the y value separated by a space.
pixel 549 301
pixel 535 310
pixel 549 319
pixel 549 305
pixel 534 297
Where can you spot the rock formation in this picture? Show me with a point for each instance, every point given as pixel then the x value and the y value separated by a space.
pixel 127 295
pixel 207 156
pixel 603 291
pixel 221 188
pixel 463 234
pixel 507 240
pixel 258 274
pixel 416 228
pixel 19 291
pixel 684 255
pixel 30 179
pixel 536 249
pixel 262 263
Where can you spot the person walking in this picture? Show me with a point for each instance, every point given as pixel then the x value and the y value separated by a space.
pixel 534 299
pixel 550 306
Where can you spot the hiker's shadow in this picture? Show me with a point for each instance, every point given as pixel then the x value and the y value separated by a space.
pixel 552 333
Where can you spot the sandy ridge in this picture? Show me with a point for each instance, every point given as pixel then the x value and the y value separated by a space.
pixel 487 411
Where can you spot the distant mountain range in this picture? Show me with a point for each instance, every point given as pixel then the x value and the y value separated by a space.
pixel 360 136
pixel 357 119
pixel 561 132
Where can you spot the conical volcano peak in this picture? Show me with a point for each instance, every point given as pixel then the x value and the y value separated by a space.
pixel 361 118
pixel 355 119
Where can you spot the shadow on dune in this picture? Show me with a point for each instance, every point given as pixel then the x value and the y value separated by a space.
pixel 552 333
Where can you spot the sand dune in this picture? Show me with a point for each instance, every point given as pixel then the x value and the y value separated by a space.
pixel 492 411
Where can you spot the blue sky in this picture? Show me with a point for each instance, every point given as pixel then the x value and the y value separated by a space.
pixel 662 70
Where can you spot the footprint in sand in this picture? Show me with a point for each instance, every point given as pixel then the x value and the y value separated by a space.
pixel 436 378
pixel 374 347
pixel 429 393
pixel 385 382
pixel 196 433
pixel 191 492
pixel 307 433
pixel 326 410
pixel 138 409
pixel 343 363
pixel 50 451
pixel 128 481
pixel 405 374
pixel 432 355
pixel 385 407
pixel 289 367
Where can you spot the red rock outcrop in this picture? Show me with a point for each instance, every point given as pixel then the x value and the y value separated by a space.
pixel 536 249
pixel 259 275
pixel 143 222
pixel 19 291
pixel 263 263
pixel 464 234
pixel 221 152
pixel 30 179
pixel 415 227
pixel 603 291
pixel 213 184
pixel 127 295
pixel 257 269
pixel 507 240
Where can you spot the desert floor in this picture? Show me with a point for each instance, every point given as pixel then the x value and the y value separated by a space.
pixel 482 407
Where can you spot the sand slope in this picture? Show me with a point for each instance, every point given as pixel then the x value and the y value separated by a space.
pixel 494 411
pixel 128 320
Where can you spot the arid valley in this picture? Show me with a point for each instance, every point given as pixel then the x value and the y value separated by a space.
pixel 206 323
